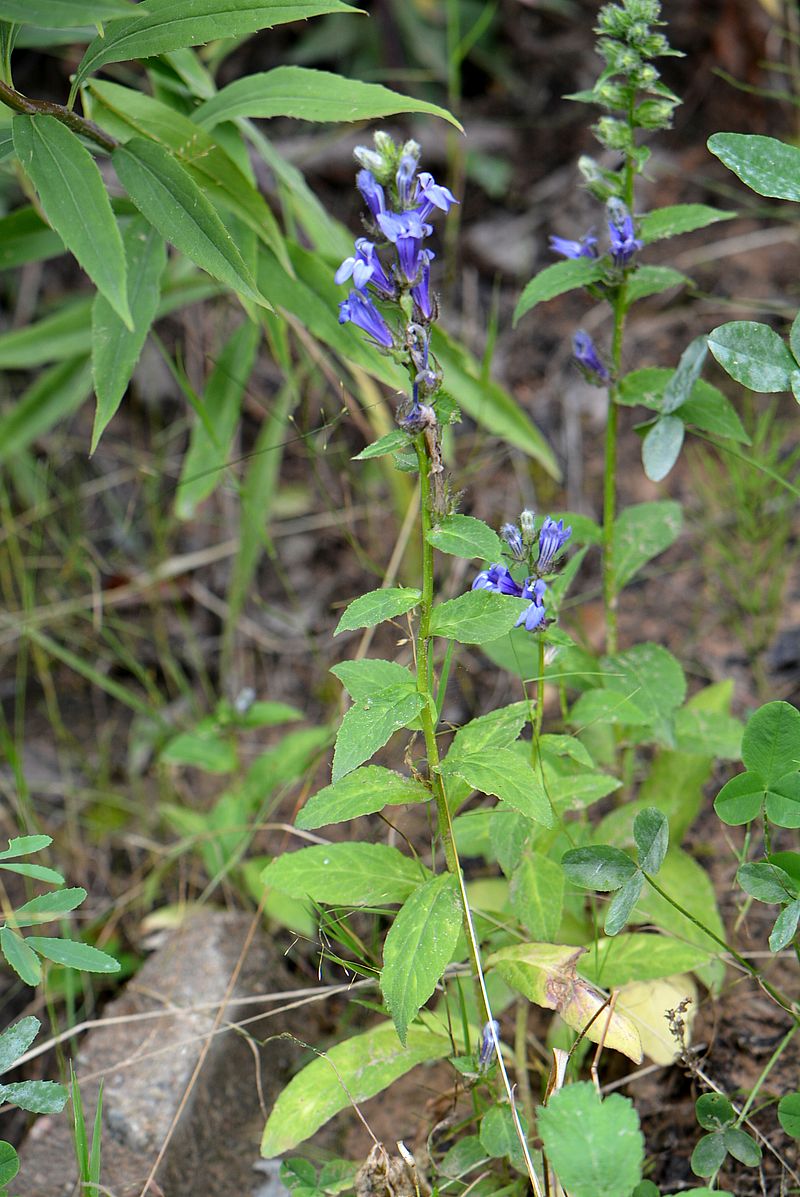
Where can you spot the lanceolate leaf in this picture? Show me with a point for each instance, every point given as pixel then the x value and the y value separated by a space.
pixel 353 874
pixel 63 14
pixel 418 948
pixel 556 280
pixel 308 95
pixel 20 957
pixel 39 1097
pixel 376 606
pixel 116 348
pixel 678 218
pixel 73 954
pixel 505 774
pixel 362 792
pixel 465 536
pixel 370 722
pixel 652 280
pixel 76 203
pixel 476 617
pixel 15 1041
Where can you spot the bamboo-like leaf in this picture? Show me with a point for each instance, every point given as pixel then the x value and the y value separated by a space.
pixel 64 14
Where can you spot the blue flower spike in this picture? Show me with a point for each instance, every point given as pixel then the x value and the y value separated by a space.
pixel 359 310
pixel 534 615
pixel 621 233
pixel 552 538
pixel 513 538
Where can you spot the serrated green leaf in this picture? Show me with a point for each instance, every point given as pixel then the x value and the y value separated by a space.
pixel 351 874
pixel 650 676
pixel 499 1138
pixel 16 1040
pixel 75 202
pixel 476 617
pixel 596 1147
pixel 652 280
pixel 35 872
pixel 376 606
pixel 308 95
pixel 754 355
pixel 64 14
pixel 768 166
pixel 361 678
pixel 606 706
pixel 370 722
pixel 710 733
pixel 362 792
pixel 557 280
pixel 631 956
pixel 352 1071
pixel 771 741
pixel 537 895
pixel 465 536
pixel 661 447
pixel 419 947
pixel 116 348
pixel 390 443
pixel 677 219
pixel 505 774
pixel 47 907
pixel 20 957
pixel 73 954
pixel 641 533
pixel 38 1097
pixel 24 845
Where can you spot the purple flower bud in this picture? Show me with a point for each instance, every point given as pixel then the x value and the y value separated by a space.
pixel 588 359
pixel 432 195
pixel 621 233
pixel 406 231
pixel 372 192
pixel 489 1044
pixel 421 292
pixel 513 538
pixel 552 538
pixel 585 248
pixel 534 615
pixel 405 178
pixel 362 312
pixel 498 579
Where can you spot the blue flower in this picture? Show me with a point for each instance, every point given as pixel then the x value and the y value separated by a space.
pixel 372 192
pixel 552 538
pixel 513 538
pixel 621 232
pixel 433 195
pixel 406 231
pixel 405 177
pixel 588 359
pixel 585 248
pixel 534 615
pixel 421 292
pixel 489 1044
pixel 365 267
pixel 363 313
pixel 498 579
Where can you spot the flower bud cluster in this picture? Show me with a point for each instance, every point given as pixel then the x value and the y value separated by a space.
pixel 538 554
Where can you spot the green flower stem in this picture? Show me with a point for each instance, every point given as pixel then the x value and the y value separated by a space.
pixel 78 124
pixel 539 712
pixel 425 687
pixel 776 995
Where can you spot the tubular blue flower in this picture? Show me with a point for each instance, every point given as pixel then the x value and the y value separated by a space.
pixel 489 1044
pixel 621 233
pixel 498 579
pixel 433 195
pixel 513 538
pixel 372 192
pixel 585 248
pixel 365 267
pixel 359 310
pixel 534 615
pixel 405 178
pixel 406 231
pixel 552 538
pixel 588 359
pixel 421 292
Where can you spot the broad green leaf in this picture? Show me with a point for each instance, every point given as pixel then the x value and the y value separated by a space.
pixel 741 799
pixel 710 733
pixel 73 954
pixel 783 801
pixel 39 1097
pixel 169 198
pixel 351 874
pixel 785 927
pixel 202 749
pixel 298 1173
pixel 376 606
pixel 661 447
pixel 207 457
pixel 116 348
pixel 768 166
pixel 496 729
pixel 619 959
pixel 601 867
pixel 652 678
pixel 556 280
pixel 595 1146
pixel 641 533
pixel 537 895
pixel 742 1146
pixel 708 1155
pixel 714 1111
pixel 465 536
pixel 362 792
pixel 173 24
pixel 505 774
pixel 47 907
pixel 9 1162
pixel 75 202
pixel 419 947
pixel 64 14
pixel 619 909
pixel 352 1071
pixel 308 95
pixel 476 617
pixel 652 280
pixel 754 355
pixel 677 219
pixel 463 1157
pixel 771 741
pixel 766 882
pixel 20 957
pixel 651 833
pixel 370 722
pixel 53 395
pixel 789 1114
pixel 16 1040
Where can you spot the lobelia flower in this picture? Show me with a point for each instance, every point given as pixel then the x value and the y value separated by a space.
pixel 433 195
pixel 588 359
pixel 498 579
pixel 621 233
pixel 552 538
pixel 489 1044
pixel 365 267
pixel 406 231
pixel 513 538
pixel 526 523
pixel 534 615
pixel 359 310
pixel 372 192
pixel 585 248
pixel 421 292
pixel 405 178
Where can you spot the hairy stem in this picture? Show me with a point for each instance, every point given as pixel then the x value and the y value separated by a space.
pixel 17 102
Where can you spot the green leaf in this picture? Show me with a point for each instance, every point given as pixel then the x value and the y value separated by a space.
pixel 740 800
pixel 75 202
pixel 63 14
pixel 173 24
pixel 652 280
pixel 47 907
pixel 505 774
pixel 116 348
pixel 419 947
pixel 352 1071
pixel 361 678
pixel 600 867
pixel 39 1097
pixel 768 166
pixel 376 606
pixel 677 219
pixel 651 834
pixel 35 872
pixel 298 1173
pixel 390 443
pixel 754 355
pixel 596 1147
pixel 202 750
pixel 25 845
pixel 73 954
pixel 789 1114
pixel 661 447
pixel 9 1162
pixel 499 1137
pixel 167 195
pixel 207 457
pixel 537 895
pixel 309 95
pixel 465 536
pixel 351 874
pixel 771 741
pixel 710 733
pixel 680 386
pixel 685 880
pixel 742 1146
pixel 55 394
pixel 708 1155
pixel 606 706
pixel 362 792
pixel 706 406
pixel 714 1111
pixel 641 533
pixel 24 237
pixel 369 724
pixel 16 1040
pixel 766 882
pixel 621 905
pixel 617 960
pixel 785 927
pixel 20 957
pixel 476 617
pixel 497 729
pixel 556 280
pixel 652 678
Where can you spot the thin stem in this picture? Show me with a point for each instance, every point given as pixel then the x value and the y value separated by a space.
pixel 610 473
pixel 17 102
pixel 521 1060
pixel 539 712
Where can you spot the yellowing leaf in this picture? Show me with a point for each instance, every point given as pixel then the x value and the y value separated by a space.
pixel 645 1003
